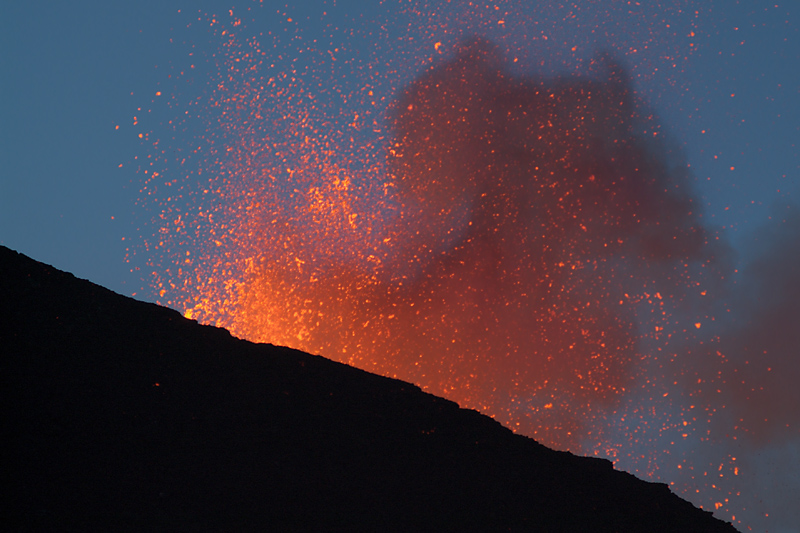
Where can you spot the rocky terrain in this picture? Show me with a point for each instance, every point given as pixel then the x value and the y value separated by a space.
pixel 123 415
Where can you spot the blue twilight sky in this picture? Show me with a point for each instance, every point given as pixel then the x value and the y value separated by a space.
pixel 71 72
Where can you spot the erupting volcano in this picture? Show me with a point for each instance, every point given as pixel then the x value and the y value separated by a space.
pixel 525 244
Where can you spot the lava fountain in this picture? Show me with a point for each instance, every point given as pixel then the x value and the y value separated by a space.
pixel 501 238
pixel 528 245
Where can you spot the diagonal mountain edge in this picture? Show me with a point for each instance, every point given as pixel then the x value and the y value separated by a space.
pixel 124 415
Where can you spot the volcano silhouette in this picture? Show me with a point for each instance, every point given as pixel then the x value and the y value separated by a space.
pixel 123 415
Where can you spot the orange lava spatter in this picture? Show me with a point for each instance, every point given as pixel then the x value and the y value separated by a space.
pixel 496 252
pixel 524 243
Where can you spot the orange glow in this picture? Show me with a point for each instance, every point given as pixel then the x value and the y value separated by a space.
pixel 524 245
pixel 437 262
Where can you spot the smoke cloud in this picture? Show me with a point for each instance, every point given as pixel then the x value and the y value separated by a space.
pixel 528 246
pixel 744 378
pixel 533 219
pixel 754 366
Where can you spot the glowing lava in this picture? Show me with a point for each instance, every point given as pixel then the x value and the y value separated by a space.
pixel 527 245
pixel 498 242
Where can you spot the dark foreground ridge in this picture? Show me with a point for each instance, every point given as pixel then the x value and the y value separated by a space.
pixel 124 415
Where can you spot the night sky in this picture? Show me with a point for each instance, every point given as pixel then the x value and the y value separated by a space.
pixel 89 90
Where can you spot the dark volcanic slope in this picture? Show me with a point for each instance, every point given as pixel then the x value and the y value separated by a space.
pixel 124 415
